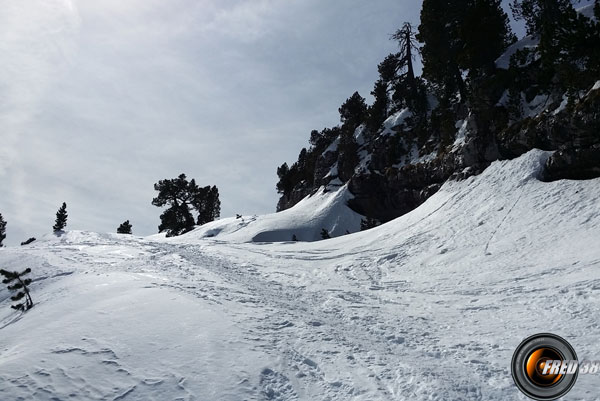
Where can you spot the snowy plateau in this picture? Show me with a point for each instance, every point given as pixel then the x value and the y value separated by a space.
pixel 429 306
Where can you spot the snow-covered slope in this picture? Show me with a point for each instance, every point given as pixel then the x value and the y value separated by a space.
pixel 325 209
pixel 427 307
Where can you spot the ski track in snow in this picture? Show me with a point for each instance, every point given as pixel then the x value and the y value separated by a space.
pixel 428 307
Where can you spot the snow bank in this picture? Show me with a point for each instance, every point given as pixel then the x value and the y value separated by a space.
pixel 72 344
pixel 323 210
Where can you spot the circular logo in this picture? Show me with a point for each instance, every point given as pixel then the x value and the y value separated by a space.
pixel 544 367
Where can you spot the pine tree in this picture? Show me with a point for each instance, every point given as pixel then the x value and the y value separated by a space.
pixel 325 234
pixel 2 230
pixel 354 111
pixel 378 111
pixel 552 21
pixel 439 33
pixel 207 203
pixel 285 184
pixel 124 228
pixel 568 43
pixel 20 286
pixel 461 36
pixel 408 47
pixel 61 218
pixel 484 33
pixel 347 155
pixel 542 17
pixel 181 195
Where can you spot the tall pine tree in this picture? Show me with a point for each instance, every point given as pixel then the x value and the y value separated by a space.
pixel 460 36
pixel 353 111
pixel 568 43
pixel 207 204
pixel 484 33
pixel 551 21
pixel 439 33
pixel 61 218
pixel 408 47
pixel 2 230
pixel 181 195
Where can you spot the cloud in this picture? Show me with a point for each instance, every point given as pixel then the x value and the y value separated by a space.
pixel 102 99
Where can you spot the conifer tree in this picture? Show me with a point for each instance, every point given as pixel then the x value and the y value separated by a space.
pixel 20 286
pixel 460 36
pixel 568 42
pixel 543 17
pixel 378 111
pixel 347 155
pixel 207 203
pixel 2 230
pixel 61 218
pixel 325 234
pixel 181 195
pixel 485 33
pixel 438 31
pixel 285 183
pixel 552 21
pixel 353 111
pixel 124 228
pixel 408 47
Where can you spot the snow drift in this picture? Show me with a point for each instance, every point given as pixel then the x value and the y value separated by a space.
pixel 326 209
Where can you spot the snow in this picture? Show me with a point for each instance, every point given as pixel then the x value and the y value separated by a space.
pixel 587 11
pixel 323 210
pixel 528 42
pixel 461 134
pixel 92 359
pixel 333 147
pixel 563 105
pixel 596 86
pixel 333 172
pixel 395 120
pixel 429 306
pixel 537 105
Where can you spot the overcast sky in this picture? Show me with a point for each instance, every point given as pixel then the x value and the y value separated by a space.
pixel 101 99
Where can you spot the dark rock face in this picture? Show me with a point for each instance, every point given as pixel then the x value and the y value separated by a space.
pixel 391 184
pixel 574 133
pixel 288 200
pixel 573 164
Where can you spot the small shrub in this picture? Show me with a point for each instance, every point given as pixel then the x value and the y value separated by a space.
pixel 124 228
pixel 29 241
pixel 20 287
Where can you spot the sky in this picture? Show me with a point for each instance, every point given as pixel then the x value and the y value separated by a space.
pixel 101 99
